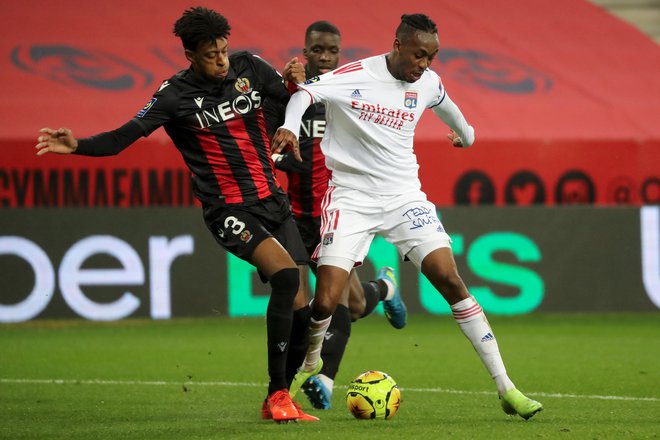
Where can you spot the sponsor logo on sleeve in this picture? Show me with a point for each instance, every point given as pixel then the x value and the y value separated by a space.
pixel 146 107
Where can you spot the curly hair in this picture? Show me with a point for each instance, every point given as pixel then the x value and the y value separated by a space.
pixel 200 25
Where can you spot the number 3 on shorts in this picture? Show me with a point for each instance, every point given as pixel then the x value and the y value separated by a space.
pixel 232 223
pixel 235 224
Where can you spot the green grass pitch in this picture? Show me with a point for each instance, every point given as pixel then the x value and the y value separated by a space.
pixel 597 375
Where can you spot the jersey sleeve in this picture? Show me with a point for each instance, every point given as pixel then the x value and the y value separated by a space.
pixel 452 116
pixel 160 109
pixel 273 83
pixel 320 88
pixel 438 91
pixel 156 112
pixel 109 143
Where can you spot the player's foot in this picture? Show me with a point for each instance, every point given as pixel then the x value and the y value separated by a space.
pixel 280 407
pixel 514 402
pixel 302 376
pixel 303 416
pixel 265 412
pixel 395 309
pixel 317 393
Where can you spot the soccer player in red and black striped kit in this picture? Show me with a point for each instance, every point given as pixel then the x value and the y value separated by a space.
pixel 213 112
pixel 307 184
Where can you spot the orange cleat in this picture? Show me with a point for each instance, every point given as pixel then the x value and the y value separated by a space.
pixel 280 407
pixel 303 416
pixel 265 412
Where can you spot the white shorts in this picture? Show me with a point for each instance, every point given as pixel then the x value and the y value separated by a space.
pixel 351 218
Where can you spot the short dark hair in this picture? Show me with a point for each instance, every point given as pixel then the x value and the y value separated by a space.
pixel 411 23
pixel 200 25
pixel 321 26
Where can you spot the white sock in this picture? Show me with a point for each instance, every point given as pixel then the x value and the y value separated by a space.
pixel 390 290
pixel 472 321
pixel 325 380
pixel 317 331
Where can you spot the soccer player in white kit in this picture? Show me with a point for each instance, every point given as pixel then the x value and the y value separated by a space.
pixel 372 108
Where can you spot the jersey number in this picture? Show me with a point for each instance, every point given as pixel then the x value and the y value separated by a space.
pixel 235 224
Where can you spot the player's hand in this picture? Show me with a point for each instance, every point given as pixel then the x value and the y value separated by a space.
pixel 455 139
pixel 294 71
pixel 281 139
pixel 59 141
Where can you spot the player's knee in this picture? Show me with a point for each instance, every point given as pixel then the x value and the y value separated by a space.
pixel 445 279
pixel 285 283
pixel 451 280
pixel 323 307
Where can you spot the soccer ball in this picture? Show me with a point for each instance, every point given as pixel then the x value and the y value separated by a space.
pixel 373 395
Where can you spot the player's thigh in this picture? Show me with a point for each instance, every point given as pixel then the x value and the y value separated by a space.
pixel 244 234
pixel 413 222
pixel 287 233
pixel 309 228
pixel 349 222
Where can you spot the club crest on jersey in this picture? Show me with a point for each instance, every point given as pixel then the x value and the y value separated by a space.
pixel 246 236
pixel 146 107
pixel 410 100
pixel 327 238
pixel 243 85
pixel 312 80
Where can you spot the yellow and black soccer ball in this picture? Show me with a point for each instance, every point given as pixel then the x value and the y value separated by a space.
pixel 373 395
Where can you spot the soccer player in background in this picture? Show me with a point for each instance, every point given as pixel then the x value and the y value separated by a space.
pixel 308 182
pixel 373 106
pixel 227 152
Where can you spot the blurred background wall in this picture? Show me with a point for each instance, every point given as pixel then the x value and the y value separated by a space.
pixel 554 208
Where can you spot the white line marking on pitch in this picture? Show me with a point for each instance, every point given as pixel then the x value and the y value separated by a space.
pixel 254 384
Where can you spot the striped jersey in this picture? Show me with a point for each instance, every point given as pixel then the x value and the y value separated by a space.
pixel 307 187
pixel 219 128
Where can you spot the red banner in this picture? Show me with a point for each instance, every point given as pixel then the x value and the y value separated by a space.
pixel 488 173
pixel 556 122
pixel 528 173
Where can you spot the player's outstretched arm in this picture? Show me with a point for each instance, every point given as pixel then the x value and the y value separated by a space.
pixel 60 141
pixel 461 133
pixel 282 138
pixel 286 134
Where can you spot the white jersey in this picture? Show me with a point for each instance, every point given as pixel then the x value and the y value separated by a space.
pixel 368 141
